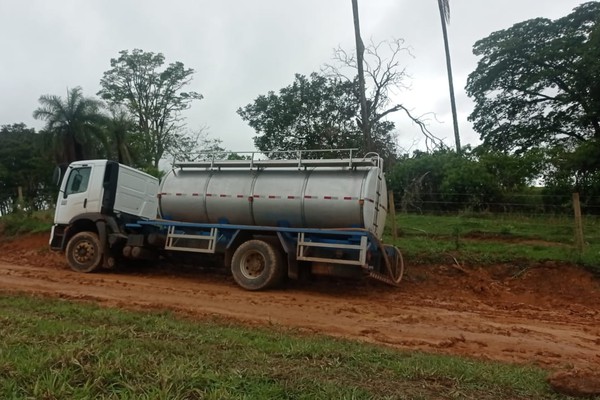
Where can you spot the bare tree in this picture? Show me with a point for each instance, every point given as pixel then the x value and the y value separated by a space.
pixel 384 77
pixel 444 6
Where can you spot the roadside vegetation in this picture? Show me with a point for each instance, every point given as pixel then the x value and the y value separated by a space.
pixel 20 223
pixel 486 239
pixel 61 349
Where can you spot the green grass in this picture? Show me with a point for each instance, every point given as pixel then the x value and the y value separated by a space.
pixel 55 349
pixel 20 222
pixel 492 239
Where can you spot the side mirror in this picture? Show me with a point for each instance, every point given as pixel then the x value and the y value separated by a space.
pixel 57 175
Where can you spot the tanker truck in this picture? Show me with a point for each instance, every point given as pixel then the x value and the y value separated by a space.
pixel 267 219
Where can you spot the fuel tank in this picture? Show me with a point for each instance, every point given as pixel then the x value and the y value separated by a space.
pixel 316 194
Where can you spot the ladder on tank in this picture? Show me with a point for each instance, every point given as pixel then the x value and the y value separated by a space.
pixel 378 199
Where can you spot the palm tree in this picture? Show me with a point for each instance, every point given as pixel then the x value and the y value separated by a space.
pixel 364 108
pixel 74 124
pixel 444 6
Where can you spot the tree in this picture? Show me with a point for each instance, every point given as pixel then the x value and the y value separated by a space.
pixel 25 164
pixel 73 125
pixel 324 109
pixel 153 95
pixel 315 112
pixel 384 77
pixel 537 84
pixel 478 179
pixel 444 6
pixel 443 181
pixel 566 171
pixel 121 132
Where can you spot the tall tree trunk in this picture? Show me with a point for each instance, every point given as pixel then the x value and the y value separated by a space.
pixel 444 16
pixel 70 149
pixel 360 51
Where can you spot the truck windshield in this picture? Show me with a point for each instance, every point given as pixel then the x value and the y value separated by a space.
pixel 78 180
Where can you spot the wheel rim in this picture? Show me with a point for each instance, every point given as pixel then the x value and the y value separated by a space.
pixel 84 252
pixel 252 265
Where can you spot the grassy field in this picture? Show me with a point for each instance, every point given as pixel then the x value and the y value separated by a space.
pixel 54 349
pixel 491 239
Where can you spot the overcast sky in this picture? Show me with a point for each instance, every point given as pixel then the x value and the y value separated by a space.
pixel 243 48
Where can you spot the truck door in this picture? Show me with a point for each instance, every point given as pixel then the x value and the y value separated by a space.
pixel 73 200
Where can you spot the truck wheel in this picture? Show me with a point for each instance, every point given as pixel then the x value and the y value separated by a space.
pixel 84 252
pixel 257 265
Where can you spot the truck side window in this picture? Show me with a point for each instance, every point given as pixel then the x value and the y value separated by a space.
pixel 78 180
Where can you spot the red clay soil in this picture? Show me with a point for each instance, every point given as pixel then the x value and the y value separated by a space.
pixel 547 314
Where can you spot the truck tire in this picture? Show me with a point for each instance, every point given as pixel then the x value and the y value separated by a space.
pixel 257 265
pixel 84 252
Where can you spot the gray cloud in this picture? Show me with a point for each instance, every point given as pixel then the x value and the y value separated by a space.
pixel 241 49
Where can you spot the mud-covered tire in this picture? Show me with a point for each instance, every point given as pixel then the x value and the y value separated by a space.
pixel 84 252
pixel 257 265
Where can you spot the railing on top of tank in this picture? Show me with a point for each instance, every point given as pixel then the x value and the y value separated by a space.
pixel 279 158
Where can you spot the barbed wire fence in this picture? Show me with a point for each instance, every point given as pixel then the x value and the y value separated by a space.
pixel 562 218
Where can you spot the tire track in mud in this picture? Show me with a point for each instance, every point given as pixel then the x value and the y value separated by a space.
pixel 528 328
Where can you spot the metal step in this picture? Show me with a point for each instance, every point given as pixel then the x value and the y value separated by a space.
pixel 204 242
pixel 303 246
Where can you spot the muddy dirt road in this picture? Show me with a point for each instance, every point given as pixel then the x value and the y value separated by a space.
pixel 547 314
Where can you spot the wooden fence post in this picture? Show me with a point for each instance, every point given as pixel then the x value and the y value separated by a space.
pixel 392 208
pixel 578 223
pixel 20 199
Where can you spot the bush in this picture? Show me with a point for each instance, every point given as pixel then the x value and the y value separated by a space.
pixel 19 223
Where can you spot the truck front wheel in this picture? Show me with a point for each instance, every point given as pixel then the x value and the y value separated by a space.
pixel 84 252
pixel 257 265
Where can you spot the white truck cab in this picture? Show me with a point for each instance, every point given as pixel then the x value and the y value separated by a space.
pixel 81 191
pixel 92 190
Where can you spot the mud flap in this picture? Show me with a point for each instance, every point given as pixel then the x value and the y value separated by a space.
pixel 101 227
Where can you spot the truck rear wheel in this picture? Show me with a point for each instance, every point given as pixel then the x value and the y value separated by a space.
pixel 84 252
pixel 257 265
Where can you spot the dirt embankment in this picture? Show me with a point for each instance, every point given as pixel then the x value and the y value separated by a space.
pixel 546 314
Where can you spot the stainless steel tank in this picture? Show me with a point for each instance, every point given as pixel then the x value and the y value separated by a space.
pixel 309 197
